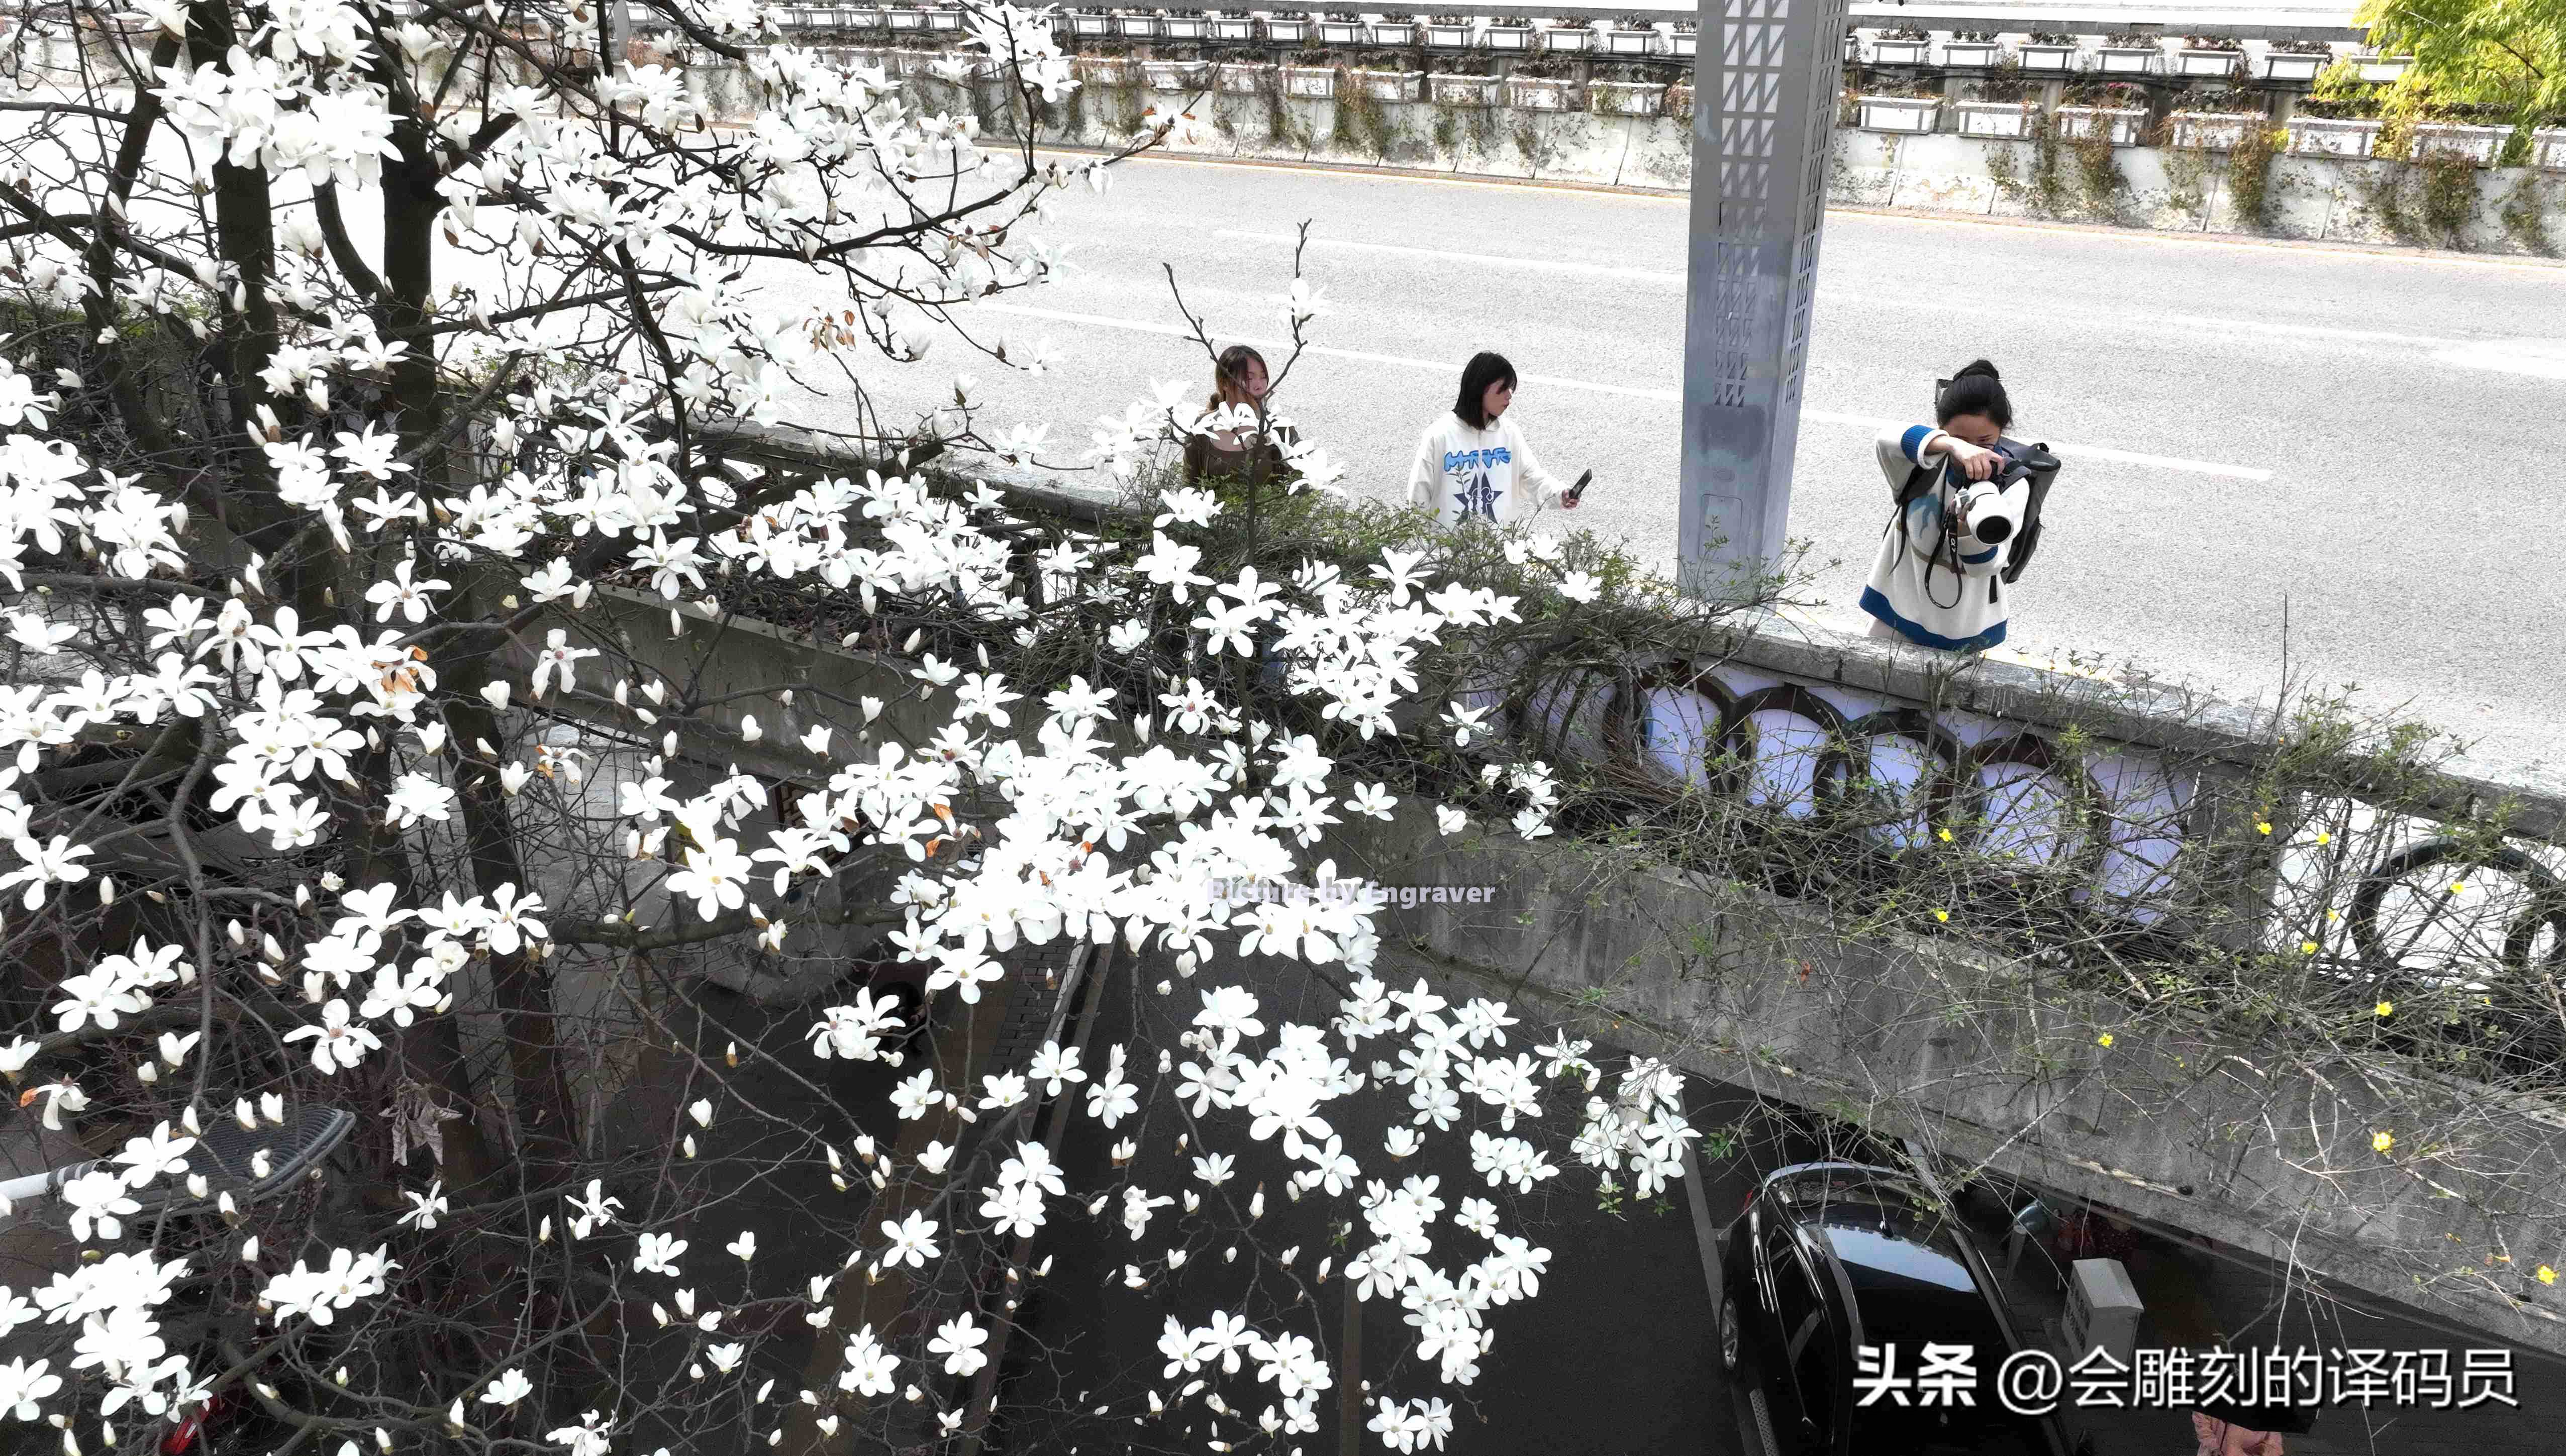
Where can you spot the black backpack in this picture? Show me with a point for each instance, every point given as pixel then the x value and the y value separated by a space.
pixel 2034 463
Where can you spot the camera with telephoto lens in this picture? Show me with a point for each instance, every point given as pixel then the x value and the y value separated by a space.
pixel 1995 507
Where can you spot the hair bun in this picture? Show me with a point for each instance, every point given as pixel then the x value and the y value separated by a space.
pixel 1977 367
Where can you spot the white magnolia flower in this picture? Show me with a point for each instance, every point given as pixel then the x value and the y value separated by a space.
pixel 959 1340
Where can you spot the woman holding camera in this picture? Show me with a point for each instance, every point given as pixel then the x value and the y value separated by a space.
pixel 1932 587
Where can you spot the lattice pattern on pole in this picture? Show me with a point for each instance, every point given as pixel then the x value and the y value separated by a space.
pixel 1765 81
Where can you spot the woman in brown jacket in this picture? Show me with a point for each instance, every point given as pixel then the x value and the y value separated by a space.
pixel 1237 455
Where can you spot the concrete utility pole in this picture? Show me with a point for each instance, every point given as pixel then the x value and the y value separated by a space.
pixel 1765 81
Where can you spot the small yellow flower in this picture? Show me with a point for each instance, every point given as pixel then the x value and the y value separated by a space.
pixel 2547 1275
pixel 2263 826
pixel 2458 888
pixel 1942 916
pixel 2380 1142
pixel 2386 1008
pixel 2334 914
pixel 1944 835
pixel 2307 947
pixel 2324 838
pixel 2104 1040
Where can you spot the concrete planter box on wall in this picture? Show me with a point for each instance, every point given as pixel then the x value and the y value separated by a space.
pixel 2209 64
pixel 945 22
pixel 1104 70
pixel 2293 66
pixel 1567 40
pixel 1245 77
pixel 904 20
pixel 2376 69
pixel 1543 94
pixel 1629 42
pixel 1466 91
pixel 1389 86
pixel 2121 124
pixel 1233 29
pixel 1906 114
pixel 1626 97
pixel 2480 144
pixel 1972 55
pixel 1393 33
pixel 1509 37
pixel 1342 32
pixel 1184 27
pixel 1178 74
pixel 1885 52
pixel 1680 43
pixel 2548 149
pixel 2215 131
pixel 2129 60
pixel 1853 48
pixel 1310 83
pixel 1448 37
pixel 1091 25
pixel 876 19
pixel 1286 31
pixel 1136 27
pixel 2047 58
pixel 1995 118
pixel 2351 138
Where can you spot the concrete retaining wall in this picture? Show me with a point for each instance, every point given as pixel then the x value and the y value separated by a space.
pixel 2516 210
pixel 2308 197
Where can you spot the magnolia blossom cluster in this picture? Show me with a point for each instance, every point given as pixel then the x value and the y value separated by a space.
pixel 1025 814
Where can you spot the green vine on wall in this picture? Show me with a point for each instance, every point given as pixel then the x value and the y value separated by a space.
pixel 1361 119
pixel 2427 200
pixel 1282 129
pixel 2188 172
pixel 1457 121
pixel 2067 176
pixel 2250 182
pixel 2524 215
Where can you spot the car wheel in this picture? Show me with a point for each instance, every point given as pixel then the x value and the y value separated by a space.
pixel 1729 1337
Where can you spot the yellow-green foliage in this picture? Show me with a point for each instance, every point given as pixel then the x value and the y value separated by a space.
pixel 2502 52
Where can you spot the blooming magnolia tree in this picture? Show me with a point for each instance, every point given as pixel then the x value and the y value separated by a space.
pixel 365 485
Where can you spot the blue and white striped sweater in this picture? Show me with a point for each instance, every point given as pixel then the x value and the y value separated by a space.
pixel 1911 587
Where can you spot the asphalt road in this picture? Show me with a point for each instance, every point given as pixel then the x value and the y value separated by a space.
pixel 2353 443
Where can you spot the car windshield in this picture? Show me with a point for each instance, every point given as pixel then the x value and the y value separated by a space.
pixel 1914 1287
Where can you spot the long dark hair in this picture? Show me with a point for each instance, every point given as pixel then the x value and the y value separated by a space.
pixel 1229 376
pixel 1975 389
pixel 1483 370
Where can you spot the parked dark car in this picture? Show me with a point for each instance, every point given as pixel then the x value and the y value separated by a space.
pixel 1829 1257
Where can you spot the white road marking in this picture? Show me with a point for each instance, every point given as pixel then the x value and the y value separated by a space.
pixel 2541 359
pixel 1628 391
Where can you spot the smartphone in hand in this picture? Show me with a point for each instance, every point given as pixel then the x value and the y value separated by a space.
pixel 1576 492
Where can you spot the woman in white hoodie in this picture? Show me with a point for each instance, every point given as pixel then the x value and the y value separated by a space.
pixel 1928 586
pixel 1473 461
